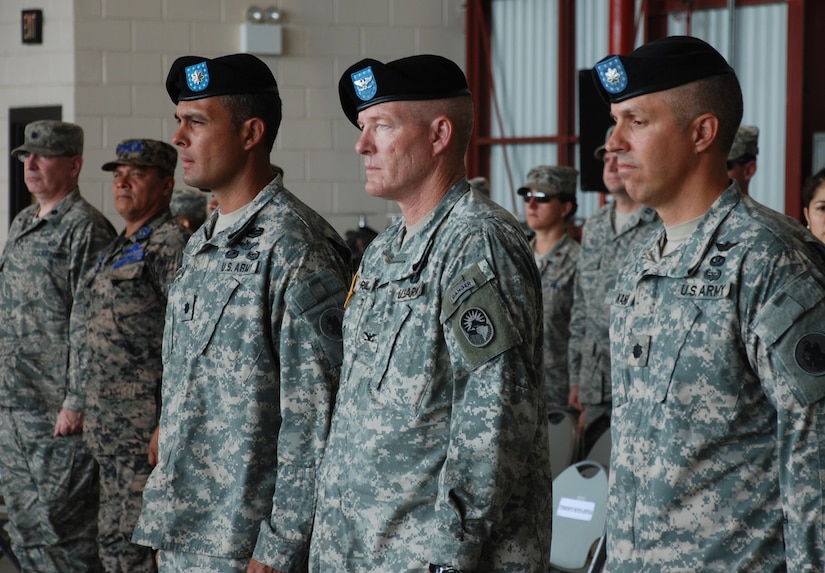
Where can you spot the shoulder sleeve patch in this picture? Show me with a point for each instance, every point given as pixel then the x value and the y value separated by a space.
pixel 472 309
pixel 792 326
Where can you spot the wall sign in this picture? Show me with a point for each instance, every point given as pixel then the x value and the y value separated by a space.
pixel 32 26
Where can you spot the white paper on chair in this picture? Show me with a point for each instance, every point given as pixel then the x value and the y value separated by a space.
pixel 580 509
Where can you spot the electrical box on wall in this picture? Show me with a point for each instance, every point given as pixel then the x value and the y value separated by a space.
pixel 261 39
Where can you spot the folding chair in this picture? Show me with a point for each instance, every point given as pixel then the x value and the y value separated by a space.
pixel 579 514
pixel 600 452
pixel 564 440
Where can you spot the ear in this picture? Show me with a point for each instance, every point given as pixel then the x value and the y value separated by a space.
pixel 77 163
pixel 168 186
pixel 441 133
pixel 705 131
pixel 750 169
pixel 252 132
pixel 807 219
pixel 568 208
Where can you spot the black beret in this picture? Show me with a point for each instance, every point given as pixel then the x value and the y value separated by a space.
pixel 196 77
pixel 657 66
pixel 370 82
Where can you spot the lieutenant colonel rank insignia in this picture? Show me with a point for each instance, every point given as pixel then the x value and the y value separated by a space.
pixel 477 327
pixel 197 77
pixel 612 75
pixel 364 83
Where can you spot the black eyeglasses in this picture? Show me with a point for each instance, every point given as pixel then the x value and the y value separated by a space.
pixel 539 196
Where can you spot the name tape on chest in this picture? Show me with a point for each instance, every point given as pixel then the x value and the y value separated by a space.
pixel 703 290
pixel 238 267
pixel 408 292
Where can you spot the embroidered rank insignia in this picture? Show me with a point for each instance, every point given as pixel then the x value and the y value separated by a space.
pixel 810 353
pixel 364 83
pixel 477 327
pixel 197 77
pixel 612 75
pixel 187 309
pixel 639 349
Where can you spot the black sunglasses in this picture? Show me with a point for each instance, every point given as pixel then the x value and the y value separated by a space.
pixel 539 196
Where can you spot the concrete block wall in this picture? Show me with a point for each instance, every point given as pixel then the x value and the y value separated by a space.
pixel 105 62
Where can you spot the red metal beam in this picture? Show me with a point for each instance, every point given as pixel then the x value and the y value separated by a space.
pixel 567 83
pixel 477 67
pixel 622 29
pixel 794 108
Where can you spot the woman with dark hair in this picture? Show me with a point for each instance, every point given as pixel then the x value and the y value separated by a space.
pixel 813 199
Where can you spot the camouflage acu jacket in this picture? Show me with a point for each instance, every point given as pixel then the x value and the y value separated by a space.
pixel 719 398
pixel 251 358
pixel 438 450
pixel 41 269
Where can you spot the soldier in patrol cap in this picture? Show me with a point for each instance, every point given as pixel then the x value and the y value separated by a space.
pixel 550 203
pixel 716 338
pixel 742 156
pixel 116 334
pixel 438 456
pixel 252 345
pixel 189 207
pixel 607 236
pixel 50 479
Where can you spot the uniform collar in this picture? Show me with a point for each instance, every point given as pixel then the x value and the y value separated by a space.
pixel 149 226
pixel 557 254
pixel 643 214
pixel 240 229
pixel 409 258
pixel 59 211
pixel 686 260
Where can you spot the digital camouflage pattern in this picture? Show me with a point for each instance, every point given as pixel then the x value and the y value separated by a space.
pixel 122 480
pixel 557 269
pixel 602 255
pixel 49 484
pixel 251 358
pixel 718 411
pixel 745 144
pixel 49 137
pixel 438 450
pixel 117 330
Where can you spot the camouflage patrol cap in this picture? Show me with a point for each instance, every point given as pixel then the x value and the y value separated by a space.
pixel 145 153
pixel 190 204
pixel 745 144
pixel 556 180
pixel 49 137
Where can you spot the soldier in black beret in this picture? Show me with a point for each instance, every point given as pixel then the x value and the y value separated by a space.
pixel 441 396
pixel 717 351
pixel 252 341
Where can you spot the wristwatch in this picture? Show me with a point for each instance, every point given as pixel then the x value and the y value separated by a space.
pixel 443 569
